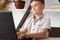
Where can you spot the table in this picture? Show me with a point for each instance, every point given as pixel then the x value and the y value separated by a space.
pixel 51 38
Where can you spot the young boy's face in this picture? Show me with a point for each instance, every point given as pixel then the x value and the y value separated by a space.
pixel 37 7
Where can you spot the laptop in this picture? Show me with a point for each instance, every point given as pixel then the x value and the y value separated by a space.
pixel 7 28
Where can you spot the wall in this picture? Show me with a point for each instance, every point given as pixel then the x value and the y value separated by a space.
pixel 54 17
pixel 49 3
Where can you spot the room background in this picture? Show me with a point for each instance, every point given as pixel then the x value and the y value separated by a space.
pixel 52 9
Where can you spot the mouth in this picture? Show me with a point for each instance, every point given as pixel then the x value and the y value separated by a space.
pixel 34 10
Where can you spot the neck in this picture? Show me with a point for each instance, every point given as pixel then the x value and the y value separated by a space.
pixel 37 17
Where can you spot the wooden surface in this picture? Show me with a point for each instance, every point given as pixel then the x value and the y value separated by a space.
pixel 52 38
pixel 54 32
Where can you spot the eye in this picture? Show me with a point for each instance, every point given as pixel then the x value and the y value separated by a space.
pixel 35 5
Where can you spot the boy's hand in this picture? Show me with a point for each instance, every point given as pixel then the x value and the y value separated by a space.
pixel 22 36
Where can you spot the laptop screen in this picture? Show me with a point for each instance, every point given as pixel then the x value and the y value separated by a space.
pixel 7 28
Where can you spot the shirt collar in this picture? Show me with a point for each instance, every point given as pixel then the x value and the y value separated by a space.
pixel 39 16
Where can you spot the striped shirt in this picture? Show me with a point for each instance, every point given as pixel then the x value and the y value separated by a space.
pixel 34 26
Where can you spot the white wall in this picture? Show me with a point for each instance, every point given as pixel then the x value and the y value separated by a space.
pixel 49 3
pixel 54 17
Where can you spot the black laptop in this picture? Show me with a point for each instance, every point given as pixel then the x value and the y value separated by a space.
pixel 7 28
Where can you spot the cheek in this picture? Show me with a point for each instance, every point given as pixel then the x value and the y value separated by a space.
pixel 39 8
pixel 35 10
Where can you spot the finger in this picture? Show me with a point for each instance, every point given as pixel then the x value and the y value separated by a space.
pixel 20 36
pixel 18 33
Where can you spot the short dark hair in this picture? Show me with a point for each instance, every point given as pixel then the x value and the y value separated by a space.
pixel 42 1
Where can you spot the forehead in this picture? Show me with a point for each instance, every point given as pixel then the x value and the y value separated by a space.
pixel 35 2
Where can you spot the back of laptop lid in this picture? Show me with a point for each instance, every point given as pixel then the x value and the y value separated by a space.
pixel 7 28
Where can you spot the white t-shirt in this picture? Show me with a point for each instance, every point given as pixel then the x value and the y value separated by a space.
pixel 35 26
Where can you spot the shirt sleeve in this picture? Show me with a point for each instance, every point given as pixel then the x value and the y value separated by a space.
pixel 46 23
